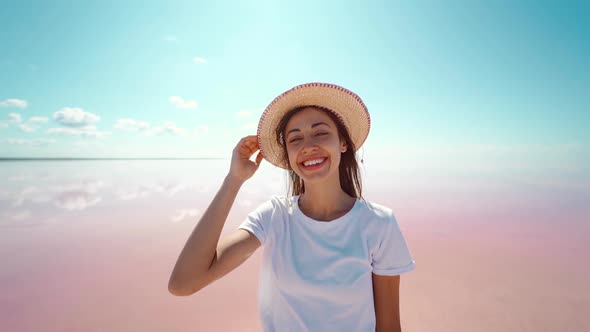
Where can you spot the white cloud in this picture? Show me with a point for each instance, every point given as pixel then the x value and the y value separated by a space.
pixel 14 118
pixel 31 124
pixel 75 117
pixel 201 130
pixel 20 177
pixel 167 127
pixel 170 188
pixel 200 60
pixel 131 125
pixel 27 128
pixel 185 213
pixel 87 144
pixel 38 119
pixel 20 215
pixel 78 195
pixel 250 126
pixel 244 114
pixel 127 194
pixel 72 196
pixel 76 200
pixel 166 188
pixel 181 103
pixel 31 193
pixel 14 103
pixel 89 185
pixel 3 125
pixel 29 142
pixel 87 131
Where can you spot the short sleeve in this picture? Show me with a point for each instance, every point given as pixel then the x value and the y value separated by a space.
pixel 392 256
pixel 258 222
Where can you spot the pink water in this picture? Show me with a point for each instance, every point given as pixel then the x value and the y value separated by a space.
pixel 90 247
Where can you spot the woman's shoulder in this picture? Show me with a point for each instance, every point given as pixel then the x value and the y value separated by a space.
pixel 376 210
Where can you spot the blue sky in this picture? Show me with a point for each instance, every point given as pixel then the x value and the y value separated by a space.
pixel 442 80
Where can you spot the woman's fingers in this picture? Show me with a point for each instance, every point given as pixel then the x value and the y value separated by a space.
pixel 241 165
pixel 248 146
pixel 252 142
pixel 259 158
pixel 249 137
pixel 249 140
pixel 247 151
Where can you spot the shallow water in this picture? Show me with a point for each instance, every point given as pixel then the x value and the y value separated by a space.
pixel 90 245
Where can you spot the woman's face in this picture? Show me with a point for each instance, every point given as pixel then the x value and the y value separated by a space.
pixel 313 145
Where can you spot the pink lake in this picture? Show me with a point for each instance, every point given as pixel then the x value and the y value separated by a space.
pixel 89 246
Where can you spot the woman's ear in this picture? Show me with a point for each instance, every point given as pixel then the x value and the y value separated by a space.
pixel 343 146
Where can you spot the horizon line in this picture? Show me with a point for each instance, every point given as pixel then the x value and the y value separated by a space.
pixel 100 158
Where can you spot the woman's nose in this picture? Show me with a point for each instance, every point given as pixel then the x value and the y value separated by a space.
pixel 309 145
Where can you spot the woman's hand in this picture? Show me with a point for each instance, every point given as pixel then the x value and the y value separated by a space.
pixel 242 168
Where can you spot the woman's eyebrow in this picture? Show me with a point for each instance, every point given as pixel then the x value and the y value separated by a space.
pixel 313 125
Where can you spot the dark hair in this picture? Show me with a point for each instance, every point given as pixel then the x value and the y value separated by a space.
pixel 350 178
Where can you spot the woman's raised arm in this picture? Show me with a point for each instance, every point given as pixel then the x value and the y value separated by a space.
pixel 203 259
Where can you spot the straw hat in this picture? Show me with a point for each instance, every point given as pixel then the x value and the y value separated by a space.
pixel 347 106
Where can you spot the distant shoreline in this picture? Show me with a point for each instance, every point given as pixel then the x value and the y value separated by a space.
pixel 94 159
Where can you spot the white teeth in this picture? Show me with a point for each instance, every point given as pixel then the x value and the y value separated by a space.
pixel 313 162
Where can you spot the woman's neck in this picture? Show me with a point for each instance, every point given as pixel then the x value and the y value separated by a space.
pixel 325 201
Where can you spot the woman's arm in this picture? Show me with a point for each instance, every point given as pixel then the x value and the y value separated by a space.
pixel 194 265
pixel 386 299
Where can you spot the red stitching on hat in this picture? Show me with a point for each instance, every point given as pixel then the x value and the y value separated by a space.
pixel 326 85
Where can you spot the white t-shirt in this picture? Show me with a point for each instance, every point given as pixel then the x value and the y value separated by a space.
pixel 316 276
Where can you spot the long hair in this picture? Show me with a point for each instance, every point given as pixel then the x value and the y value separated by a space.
pixel 350 178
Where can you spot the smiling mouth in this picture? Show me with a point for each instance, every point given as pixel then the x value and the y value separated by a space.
pixel 314 164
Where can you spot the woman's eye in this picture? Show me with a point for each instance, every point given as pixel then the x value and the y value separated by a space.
pixel 295 139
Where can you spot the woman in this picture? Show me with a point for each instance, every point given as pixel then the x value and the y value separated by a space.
pixel 331 260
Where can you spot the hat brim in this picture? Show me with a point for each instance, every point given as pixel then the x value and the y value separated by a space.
pixel 345 104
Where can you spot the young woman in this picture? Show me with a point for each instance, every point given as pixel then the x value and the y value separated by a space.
pixel 332 260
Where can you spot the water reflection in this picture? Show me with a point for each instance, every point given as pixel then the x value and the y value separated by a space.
pixel 45 190
pixel 89 246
